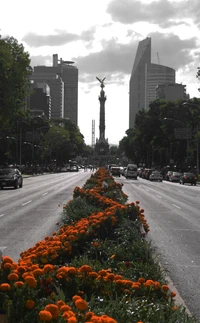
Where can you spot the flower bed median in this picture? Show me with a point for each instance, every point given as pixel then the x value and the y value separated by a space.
pixel 98 267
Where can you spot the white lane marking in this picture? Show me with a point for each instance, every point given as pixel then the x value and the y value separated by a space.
pixel 45 193
pixel 2 215
pixel 26 203
pixel 178 207
pixel 159 196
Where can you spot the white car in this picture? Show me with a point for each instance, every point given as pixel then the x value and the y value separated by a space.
pixel 156 176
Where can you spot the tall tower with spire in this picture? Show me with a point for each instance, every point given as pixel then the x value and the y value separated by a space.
pixel 102 146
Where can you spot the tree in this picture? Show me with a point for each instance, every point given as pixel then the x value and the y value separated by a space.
pixel 15 69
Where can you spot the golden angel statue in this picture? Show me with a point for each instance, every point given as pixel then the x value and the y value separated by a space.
pixel 102 82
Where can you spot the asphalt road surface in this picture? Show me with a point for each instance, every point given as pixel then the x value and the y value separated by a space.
pixel 30 213
pixel 173 214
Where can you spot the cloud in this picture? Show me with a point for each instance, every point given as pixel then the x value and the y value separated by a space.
pixel 41 60
pixel 60 38
pixel 116 58
pixel 157 12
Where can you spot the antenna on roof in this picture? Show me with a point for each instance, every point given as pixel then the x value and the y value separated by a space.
pixel 158 58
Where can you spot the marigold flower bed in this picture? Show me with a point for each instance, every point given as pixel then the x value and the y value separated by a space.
pixel 95 268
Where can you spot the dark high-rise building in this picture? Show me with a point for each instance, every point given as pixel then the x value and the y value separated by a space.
pixel 40 99
pixel 144 79
pixel 62 78
pixel 69 75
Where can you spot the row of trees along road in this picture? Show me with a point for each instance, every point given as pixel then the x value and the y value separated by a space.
pixel 23 136
pixel 168 133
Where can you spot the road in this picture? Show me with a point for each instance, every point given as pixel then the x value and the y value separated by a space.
pixel 29 214
pixel 173 214
pixel 172 210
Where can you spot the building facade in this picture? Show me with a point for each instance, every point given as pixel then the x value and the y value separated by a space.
pixel 69 75
pixel 40 98
pixel 144 78
pixel 62 79
pixel 171 92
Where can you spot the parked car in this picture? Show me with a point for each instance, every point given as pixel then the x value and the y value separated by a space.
pixel 188 178
pixel 123 171
pixel 10 177
pixel 175 177
pixel 156 176
pixel 115 170
pixel 169 173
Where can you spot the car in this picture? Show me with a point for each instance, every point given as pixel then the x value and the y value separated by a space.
pixel 115 170
pixel 188 178
pixel 74 168
pixel 175 177
pixel 156 176
pixel 169 173
pixel 131 171
pixel 10 177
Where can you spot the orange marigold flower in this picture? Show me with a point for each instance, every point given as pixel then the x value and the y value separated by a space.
pixel 141 280
pixel 19 284
pixel 31 281
pixel 5 287
pixel 85 268
pixel 65 308
pixel 173 294
pixel 7 265
pixel 81 304
pixel 60 303
pixel 48 268
pixel 157 285
pixel 38 272
pixel 45 316
pixel 165 287
pixel 53 309
pixel 75 297
pixel 7 259
pixel 88 315
pixel 30 304
pixel 72 319
pixel 175 307
pixel 13 276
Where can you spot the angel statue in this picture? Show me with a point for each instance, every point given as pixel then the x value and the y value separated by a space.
pixel 102 82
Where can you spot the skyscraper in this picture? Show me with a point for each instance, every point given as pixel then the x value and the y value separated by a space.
pixel 145 77
pixel 62 79
pixel 69 75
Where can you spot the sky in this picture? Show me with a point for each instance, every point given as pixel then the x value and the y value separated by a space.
pixel 102 37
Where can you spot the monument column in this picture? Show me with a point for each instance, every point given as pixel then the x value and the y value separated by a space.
pixel 102 127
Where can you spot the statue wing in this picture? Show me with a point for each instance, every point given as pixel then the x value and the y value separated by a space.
pixel 98 79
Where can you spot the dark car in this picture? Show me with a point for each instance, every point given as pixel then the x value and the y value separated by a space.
pixel 175 177
pixel 115 171
pixel 10 177
pixel 188 178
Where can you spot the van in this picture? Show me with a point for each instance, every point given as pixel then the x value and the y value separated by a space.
pixel 131 171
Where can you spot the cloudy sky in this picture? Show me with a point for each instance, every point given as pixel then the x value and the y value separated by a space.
pixel 101 37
